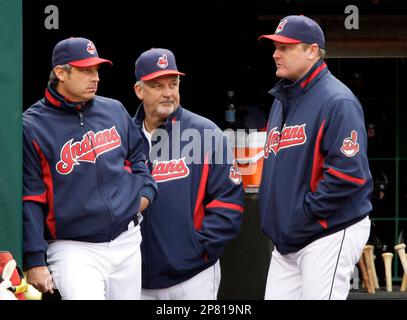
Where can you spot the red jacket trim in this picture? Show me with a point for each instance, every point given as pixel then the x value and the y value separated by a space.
pixel 227 205
pixel 47 178
pixel 346 177
pixel 199 211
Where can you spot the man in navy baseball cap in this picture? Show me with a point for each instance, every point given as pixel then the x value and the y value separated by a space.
pixel 154 63
pixel 82 138
pixel 316 183
pixel 77 52
pixel 297 29
pixel 176 261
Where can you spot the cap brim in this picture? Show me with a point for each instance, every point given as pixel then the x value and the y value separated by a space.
pixel 282 39
pixel 89 62
pixel 161 73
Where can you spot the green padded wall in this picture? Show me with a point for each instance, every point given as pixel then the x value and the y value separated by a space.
pixel 11 79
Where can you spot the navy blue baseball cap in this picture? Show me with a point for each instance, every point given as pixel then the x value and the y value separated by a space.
pixel 154 63
pixel 77 52
pixel 297 29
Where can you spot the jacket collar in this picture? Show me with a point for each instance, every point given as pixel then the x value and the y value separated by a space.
pixel 287 89
pixel 54 99
pixel 140 115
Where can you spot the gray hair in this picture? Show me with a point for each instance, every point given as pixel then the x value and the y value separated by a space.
pixel 140 83
pixel 53 79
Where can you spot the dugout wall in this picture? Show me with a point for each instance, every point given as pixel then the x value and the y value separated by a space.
pixel 11 94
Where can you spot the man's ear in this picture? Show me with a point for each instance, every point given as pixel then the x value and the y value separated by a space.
pixel 313 51
pixel 139 91
pixel 61 73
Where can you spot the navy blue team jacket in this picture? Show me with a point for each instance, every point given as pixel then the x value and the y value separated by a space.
pixel 77 183
pixel 198 208
pixel 316 177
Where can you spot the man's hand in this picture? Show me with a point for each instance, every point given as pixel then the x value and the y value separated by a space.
pixel 144 203
pixel 41 279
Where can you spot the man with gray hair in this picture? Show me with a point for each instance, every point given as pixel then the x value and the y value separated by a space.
pixel 200 200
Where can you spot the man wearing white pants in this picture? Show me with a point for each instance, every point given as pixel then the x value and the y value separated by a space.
pixel 316 184
pixel 199 205
pixel 85 181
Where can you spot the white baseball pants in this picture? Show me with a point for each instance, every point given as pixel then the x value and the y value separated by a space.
pixel 98 271
pixel 203 286
pixel 320 271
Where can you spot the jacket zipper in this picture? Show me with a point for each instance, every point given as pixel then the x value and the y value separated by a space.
pixel 146 215
pixel 99 174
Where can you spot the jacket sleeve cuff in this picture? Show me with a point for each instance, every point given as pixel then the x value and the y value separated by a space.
pixel 34 260
pixel 149 192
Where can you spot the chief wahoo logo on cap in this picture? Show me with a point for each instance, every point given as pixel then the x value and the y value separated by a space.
pixel 162 61
pixel 281 25
pixel 91 48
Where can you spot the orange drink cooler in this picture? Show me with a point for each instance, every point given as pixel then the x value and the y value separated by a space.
pixel 249 151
